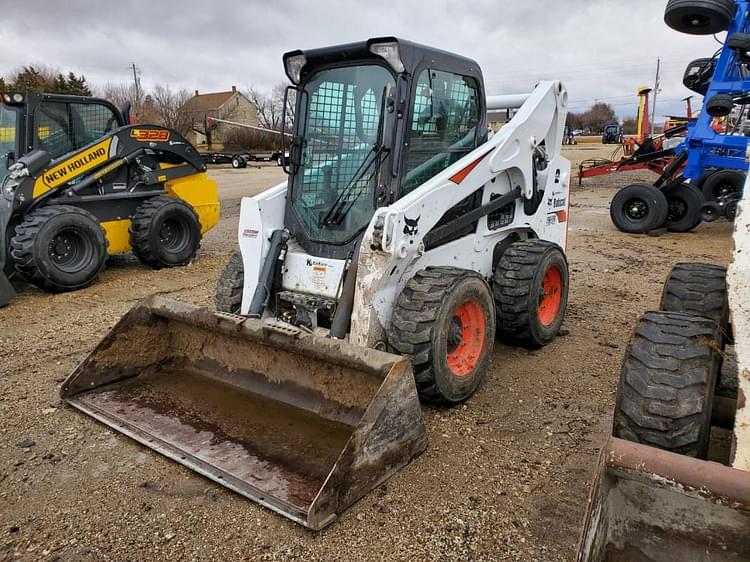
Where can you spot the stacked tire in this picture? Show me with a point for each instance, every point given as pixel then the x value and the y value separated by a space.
pixel 671 371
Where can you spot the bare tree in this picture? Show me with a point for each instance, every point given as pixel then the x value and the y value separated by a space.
pixel 169 105
pixel 119 93
pixel 266 110
pixel 270 107
pixel 278 95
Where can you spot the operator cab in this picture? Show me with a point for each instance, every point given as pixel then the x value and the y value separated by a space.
pixel 374 120
pixel 56 124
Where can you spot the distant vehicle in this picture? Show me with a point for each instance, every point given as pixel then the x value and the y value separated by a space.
pixel 240 159
pixel 283 159
pixel 612 134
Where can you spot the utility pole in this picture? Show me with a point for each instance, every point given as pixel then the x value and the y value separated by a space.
pixel 656 91
pixel 135 82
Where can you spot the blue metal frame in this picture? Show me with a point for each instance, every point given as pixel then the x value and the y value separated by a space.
pixel 705 147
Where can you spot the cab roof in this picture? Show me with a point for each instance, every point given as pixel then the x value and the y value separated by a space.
pixel 414 56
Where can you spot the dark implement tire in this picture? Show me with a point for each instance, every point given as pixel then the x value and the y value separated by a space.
pixel 723 184
pixel 59 248
pixel 236 162
pixel 530 287
pixel 228 296
pixel 684 203
pixel 730 210
pixel 667 383
pixel 165 232
pixel 699 17
pixel 638 208
pixel 720 105
pixel 444 321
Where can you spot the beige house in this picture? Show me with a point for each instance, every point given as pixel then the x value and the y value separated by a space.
pixel 230 105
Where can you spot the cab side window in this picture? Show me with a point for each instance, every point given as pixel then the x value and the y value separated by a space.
pixel 52 129
pixel 91 122
pixel 60 128
pixel 444 122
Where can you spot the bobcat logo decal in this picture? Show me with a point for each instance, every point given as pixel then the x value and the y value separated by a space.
pixel 411 226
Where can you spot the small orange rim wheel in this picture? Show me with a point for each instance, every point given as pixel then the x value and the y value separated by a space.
pixel 466 338
pixel 551 295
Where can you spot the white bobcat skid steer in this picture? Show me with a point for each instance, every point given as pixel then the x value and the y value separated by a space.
pixel 402 228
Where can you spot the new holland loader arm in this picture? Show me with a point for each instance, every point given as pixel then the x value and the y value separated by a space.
pixel 35 178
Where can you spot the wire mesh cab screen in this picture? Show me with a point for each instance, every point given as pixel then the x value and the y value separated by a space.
pixel 444 124
pixel 341 113
pixel 61 127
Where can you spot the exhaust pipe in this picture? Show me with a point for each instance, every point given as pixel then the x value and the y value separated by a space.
pixel 302 424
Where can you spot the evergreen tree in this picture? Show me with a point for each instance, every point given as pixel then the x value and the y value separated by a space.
pixel 77 86
pixel 30 79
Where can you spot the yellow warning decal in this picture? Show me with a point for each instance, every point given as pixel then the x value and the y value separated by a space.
pixel 73 167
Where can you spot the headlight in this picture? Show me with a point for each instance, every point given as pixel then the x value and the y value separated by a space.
pixel 390 52
pixel 293 64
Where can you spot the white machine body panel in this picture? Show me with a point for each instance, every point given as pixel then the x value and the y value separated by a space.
pixel 304 273
pixel 259 217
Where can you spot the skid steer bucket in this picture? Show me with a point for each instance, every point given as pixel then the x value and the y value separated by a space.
pixel 301 424
pixel 647 504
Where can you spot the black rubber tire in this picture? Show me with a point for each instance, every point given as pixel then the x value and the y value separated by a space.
pixel 730 209
pixel 421 325
pixel 707 172
pixel 236 162
pixel 711 211
pixel 42 241
pixel 638 208
pixel 518 288
pixel 228 296
pixel 667 383
pixel 684 203
pixel 719 105
pixel 165 232
pixel 700 289
pixel 699 17
pixel 723 183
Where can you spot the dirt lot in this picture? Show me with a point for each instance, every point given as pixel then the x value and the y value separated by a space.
pixel 505 476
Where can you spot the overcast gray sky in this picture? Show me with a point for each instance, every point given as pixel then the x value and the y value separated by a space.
pixel 602 49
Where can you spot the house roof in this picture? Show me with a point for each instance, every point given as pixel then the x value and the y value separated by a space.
pixel 207 102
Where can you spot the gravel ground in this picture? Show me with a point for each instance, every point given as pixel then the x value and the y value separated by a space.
pixel 505 476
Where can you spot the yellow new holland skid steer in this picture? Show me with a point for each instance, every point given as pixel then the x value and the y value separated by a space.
pixel 79 184
pixel 405 238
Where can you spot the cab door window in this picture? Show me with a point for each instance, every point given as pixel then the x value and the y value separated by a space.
pixel 445 114
pixel 60 128
pixel 91 122
pixel 52 129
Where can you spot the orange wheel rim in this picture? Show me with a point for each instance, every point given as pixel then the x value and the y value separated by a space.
pixel 549 301
pixel 466 338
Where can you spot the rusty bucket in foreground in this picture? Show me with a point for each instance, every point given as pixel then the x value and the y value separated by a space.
pixel 652 505
pixel 301 424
